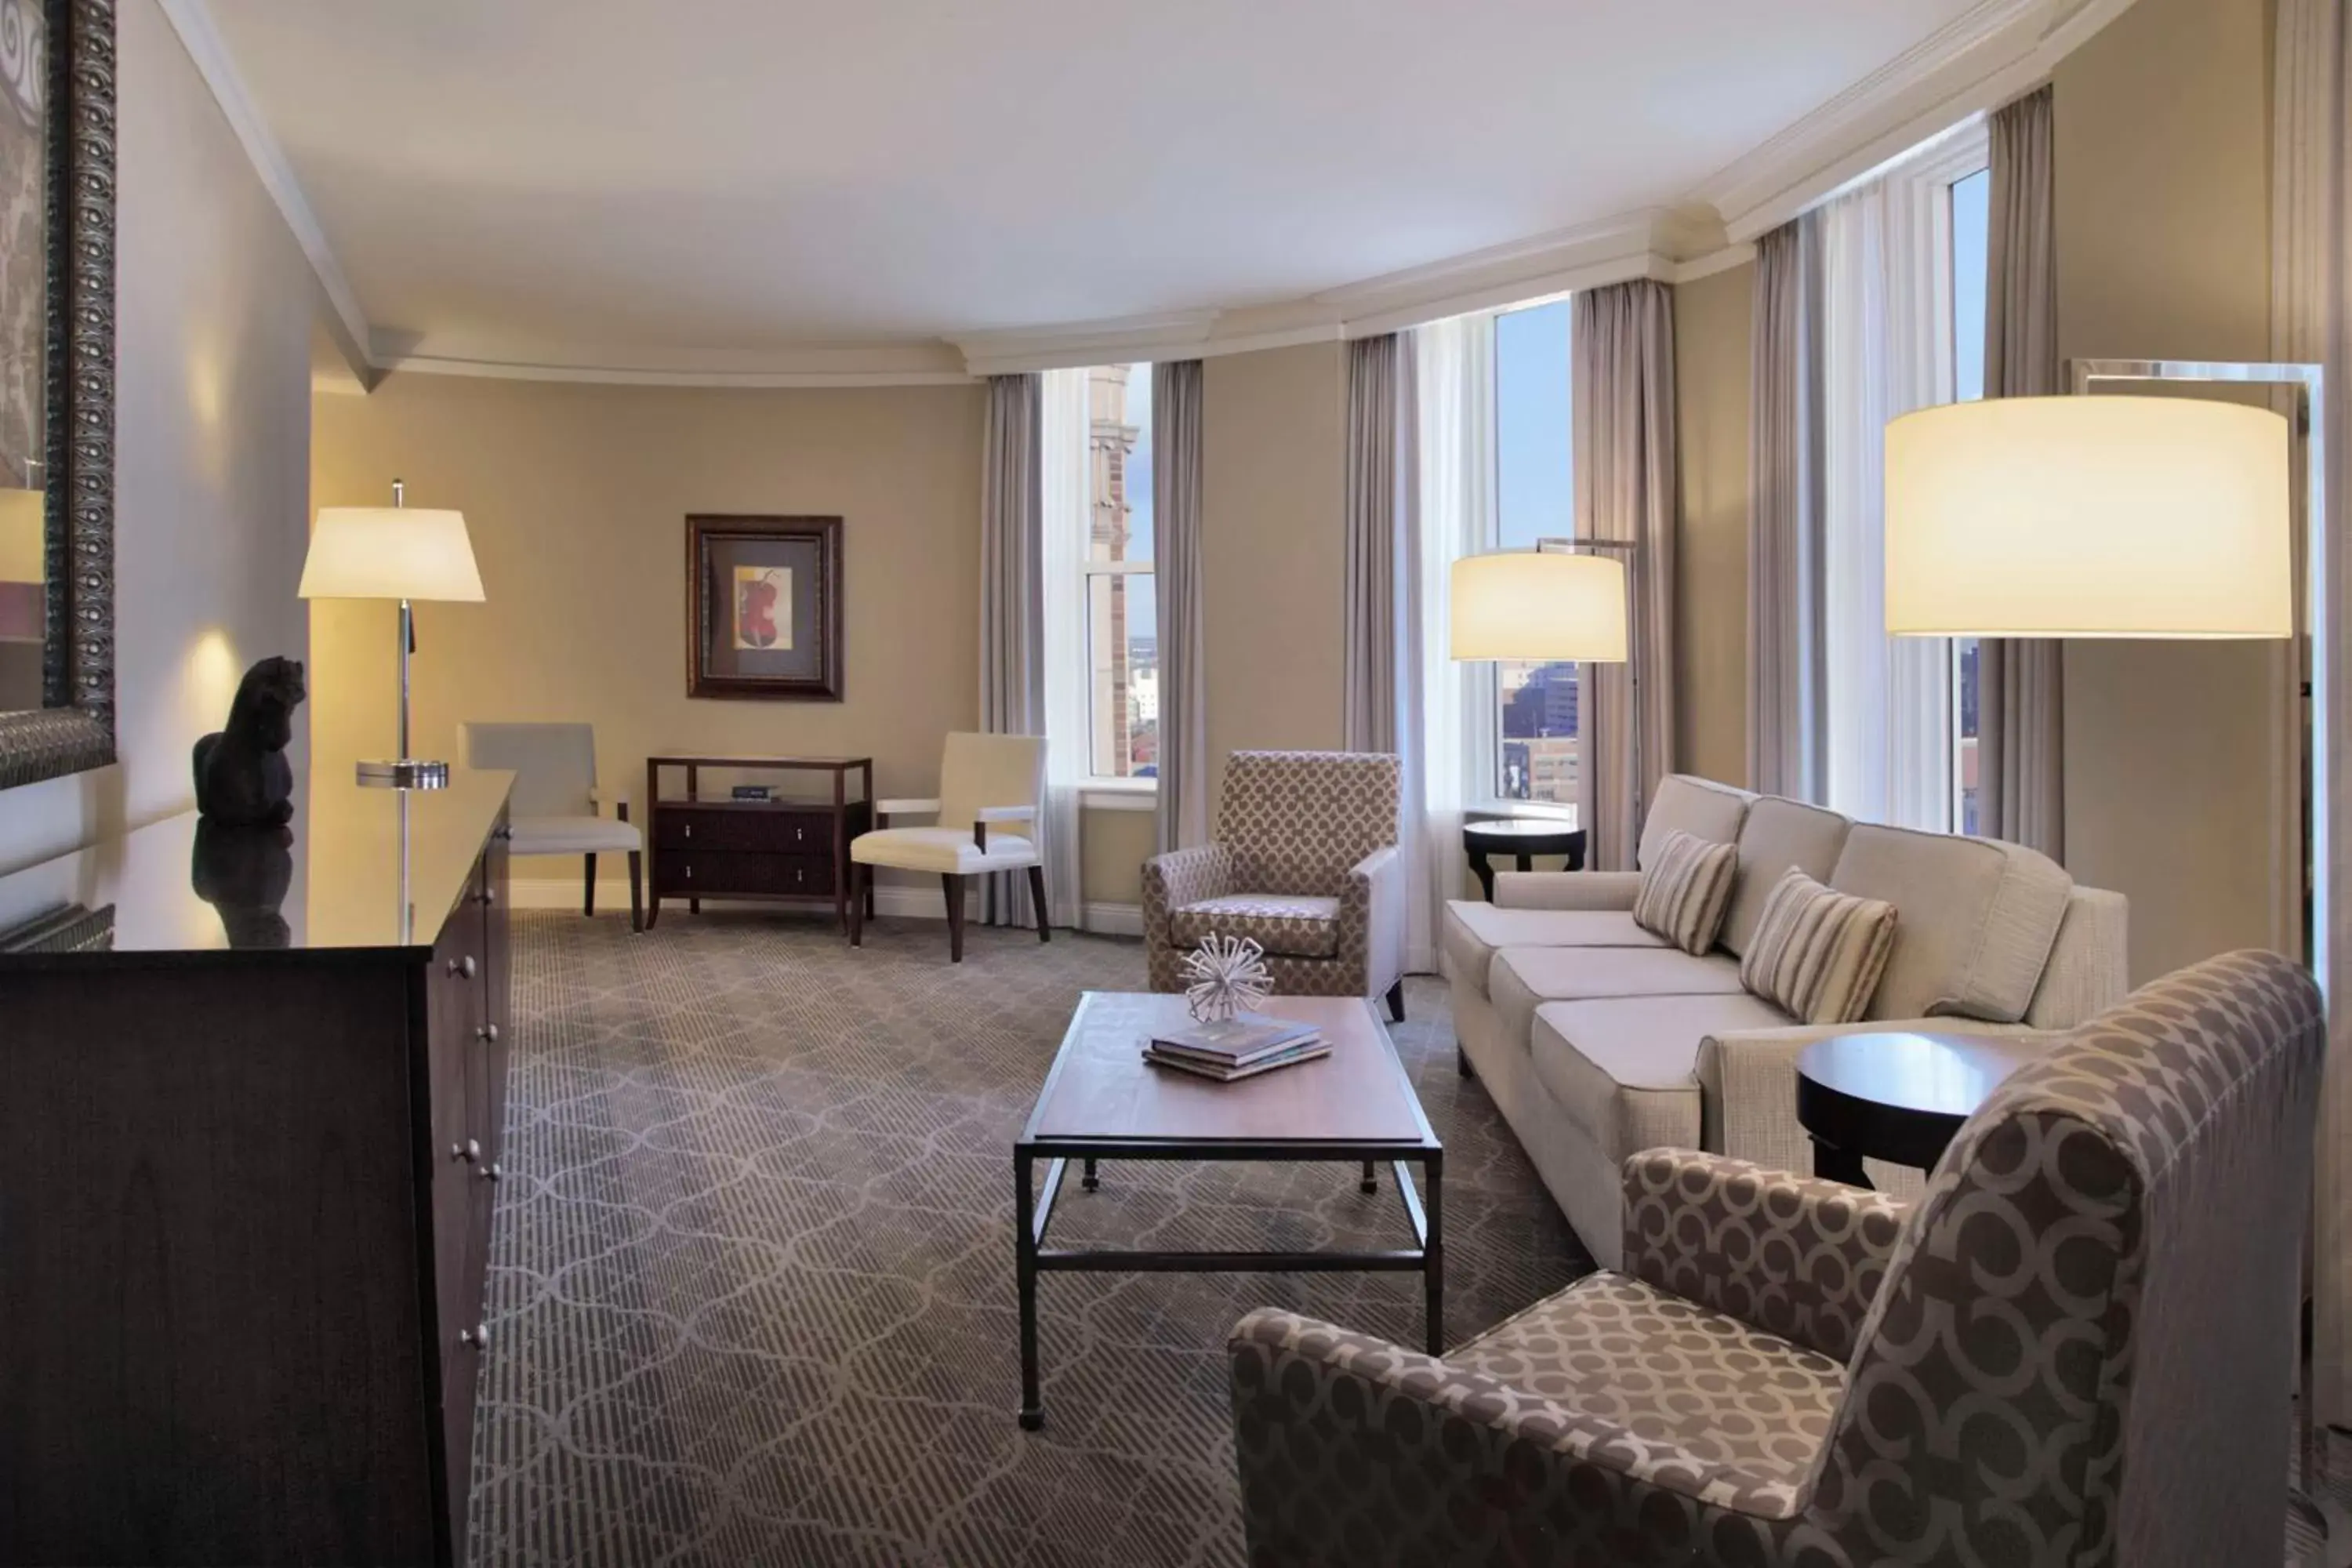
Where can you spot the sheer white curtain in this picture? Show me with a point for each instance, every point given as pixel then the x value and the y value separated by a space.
pixel 1065 474
pixel 1452 705
pixel 1886 349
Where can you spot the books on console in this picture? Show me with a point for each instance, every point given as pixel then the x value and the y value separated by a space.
pixel 1237 1047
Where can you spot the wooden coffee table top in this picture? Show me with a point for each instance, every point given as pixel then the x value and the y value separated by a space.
pixel 1102 1091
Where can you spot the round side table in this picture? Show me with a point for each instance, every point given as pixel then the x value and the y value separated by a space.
pixel 1896 1098
pixel 1523 838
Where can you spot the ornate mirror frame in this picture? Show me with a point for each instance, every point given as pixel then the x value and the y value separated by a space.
pixel 74 729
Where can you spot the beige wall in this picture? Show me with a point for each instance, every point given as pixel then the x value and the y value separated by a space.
pixel 1115 845
pixel 2163 161
pixel 1711 397
pixel 1273 557
pixel 215 304
pixel 576 499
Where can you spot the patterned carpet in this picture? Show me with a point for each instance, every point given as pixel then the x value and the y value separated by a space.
pixel 751 1291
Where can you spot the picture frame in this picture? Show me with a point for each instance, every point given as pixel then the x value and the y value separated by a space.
pixel 764 608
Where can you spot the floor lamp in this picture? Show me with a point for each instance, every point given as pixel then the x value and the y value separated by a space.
pixel 2156 517
pixel 1566 599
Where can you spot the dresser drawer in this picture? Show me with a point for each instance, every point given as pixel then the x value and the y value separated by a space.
pixel 711 874
pixel 776 830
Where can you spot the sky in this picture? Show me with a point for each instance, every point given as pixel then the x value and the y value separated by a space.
pixel 1536 498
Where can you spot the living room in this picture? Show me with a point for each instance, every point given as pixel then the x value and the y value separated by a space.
pixel 889 477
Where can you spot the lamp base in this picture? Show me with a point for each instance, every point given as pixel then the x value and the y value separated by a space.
pixel 406 774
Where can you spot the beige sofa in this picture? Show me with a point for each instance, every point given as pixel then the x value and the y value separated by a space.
pixel 1598 1040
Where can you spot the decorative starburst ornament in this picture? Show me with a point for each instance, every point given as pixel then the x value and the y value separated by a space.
pixel 1228 977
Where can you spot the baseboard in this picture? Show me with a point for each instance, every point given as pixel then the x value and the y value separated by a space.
pixel 892 899
pixel 1115 919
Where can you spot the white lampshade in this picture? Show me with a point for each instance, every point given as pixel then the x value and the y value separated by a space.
pixel 2089 517
pixel 390 552
pixel 1537 605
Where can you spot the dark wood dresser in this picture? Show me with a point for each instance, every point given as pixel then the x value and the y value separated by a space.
pixel 786 847
pixel 248 1146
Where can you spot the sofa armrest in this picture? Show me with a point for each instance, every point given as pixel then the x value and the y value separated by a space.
pixel 2090 967
pixel 1341 1433
pixel 1566 889
pixel 1747 1083
pixel 1372 901
pixel 1795 1255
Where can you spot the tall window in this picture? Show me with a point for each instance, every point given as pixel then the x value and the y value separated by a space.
pixel 1121 623
pixel 1971 200
pixel 1536 720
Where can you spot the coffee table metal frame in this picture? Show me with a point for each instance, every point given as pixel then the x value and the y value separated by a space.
pixel 1033 1211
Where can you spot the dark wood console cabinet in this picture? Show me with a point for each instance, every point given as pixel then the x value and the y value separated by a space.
pixel 249 1146
pixel 783 848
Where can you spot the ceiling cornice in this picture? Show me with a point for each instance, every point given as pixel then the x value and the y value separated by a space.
pixel 345 322
pixel 1998 50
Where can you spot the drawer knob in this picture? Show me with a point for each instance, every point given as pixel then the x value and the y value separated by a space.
pixel 489 1032
pixel 690 829
pixel 464 966
pixel 469 1151
pixel 689 873
pixel 493 1170
pixel 503 834
pixel 489 895
pixel 478 1336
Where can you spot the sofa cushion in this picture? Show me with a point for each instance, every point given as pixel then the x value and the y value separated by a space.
pixel 1474 932
pixel 1625 1069
pixel 1683 890
pixel 1819 953
pixel 1296 925
pixel 1700 807
pixel 1521 979
pixel 1976 920
pixel 1776 835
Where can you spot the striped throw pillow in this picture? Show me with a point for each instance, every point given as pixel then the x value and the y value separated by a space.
pixel 1685 887
pixel 1818 955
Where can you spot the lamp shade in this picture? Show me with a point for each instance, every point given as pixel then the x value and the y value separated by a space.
pixel 390 552
pixel 1538 605
pixel 2089 517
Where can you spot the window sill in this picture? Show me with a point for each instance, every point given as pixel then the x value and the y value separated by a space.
pixel 1119 795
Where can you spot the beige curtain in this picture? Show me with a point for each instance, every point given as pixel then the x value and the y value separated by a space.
pixel 1176 524
pixel 2020 685
pixel 1012 595
pixel 1622 340
pixel 1787 688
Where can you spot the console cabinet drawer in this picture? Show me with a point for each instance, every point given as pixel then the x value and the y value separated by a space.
pixel 711 874
pixel 776 830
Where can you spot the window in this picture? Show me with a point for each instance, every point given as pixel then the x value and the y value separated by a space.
pixel 1536 717
pixel 1121 614
pixel 1971 198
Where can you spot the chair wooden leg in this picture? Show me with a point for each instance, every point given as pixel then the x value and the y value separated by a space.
pixel 588 895
pixel 861 890
pixel 637 890
pixel 1037 903
pixel 1396 1002
pixel 869 892
pixel 953 886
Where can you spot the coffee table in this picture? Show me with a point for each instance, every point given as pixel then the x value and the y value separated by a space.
pixel 1103 1101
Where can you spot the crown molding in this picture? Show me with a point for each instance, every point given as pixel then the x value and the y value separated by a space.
pixel 345 322
pixel 1999 49
pixel 1995 51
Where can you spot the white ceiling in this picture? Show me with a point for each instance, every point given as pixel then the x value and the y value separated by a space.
pixel 649 176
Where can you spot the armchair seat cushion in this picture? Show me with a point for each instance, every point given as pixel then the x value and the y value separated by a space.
pixel 1625 1069
pixel 1740 1413
pixel 947 850
pixel 1289 925
pixel 1474 932
pixel 573 836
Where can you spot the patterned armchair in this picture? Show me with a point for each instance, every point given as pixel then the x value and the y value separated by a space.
pixel 1305 861
pixel 2074 1349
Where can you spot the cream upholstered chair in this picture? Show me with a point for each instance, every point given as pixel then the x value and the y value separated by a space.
pixel 554 809
pixel 985 780
pixel 2074 1349
pixel 1305 863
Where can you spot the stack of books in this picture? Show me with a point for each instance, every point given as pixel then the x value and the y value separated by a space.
pixel 1238 1048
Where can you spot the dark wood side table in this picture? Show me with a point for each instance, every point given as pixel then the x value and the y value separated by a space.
pixel 1523 837
pixel 755 849
pixel 1900 1098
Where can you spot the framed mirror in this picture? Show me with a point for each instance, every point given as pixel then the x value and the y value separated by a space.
pixel 57 388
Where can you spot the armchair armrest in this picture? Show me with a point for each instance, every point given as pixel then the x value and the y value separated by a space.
pixel 597 796
pixel 905 807
pixel 1795 1255
pixel 1747 1083
pixel 1372 901
pixel 1566 889
pixel 988 814
pixel 1342 1434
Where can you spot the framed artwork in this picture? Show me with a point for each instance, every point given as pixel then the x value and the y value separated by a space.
pixel 763 608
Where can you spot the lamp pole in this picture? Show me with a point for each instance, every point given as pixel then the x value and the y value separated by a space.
pixel 1631 549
